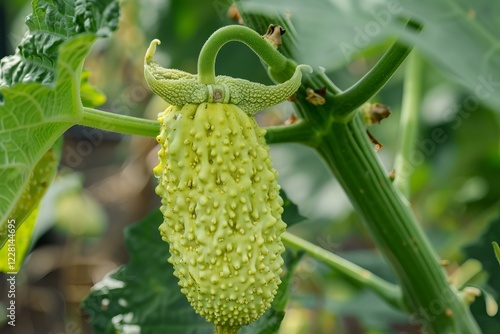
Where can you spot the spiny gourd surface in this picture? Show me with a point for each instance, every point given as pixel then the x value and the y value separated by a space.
pixel 222 209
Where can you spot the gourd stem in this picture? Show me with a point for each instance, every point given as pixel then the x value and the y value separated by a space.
pixel 119 123
pixel 206 61
pixel 389 292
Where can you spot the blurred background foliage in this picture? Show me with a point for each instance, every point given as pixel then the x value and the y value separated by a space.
pixel 105 181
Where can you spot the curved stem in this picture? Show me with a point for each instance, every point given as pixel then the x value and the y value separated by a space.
pixel 119 123
pixel 346 102
pixel 387 291
pixel 408 124
pixel 208 54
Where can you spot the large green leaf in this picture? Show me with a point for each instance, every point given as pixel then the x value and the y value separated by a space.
pixel 460 37
pixel 40 90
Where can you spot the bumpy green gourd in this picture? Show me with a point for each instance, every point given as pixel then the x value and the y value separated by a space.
pixel 220 196
pixel 222 211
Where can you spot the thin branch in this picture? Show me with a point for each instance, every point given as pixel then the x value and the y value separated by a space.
pixel 389 292
pixel 119 123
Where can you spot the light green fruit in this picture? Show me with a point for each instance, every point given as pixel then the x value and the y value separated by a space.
pixel 220 196
pixel 222 209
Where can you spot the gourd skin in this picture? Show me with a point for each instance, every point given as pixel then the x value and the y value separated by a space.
pixel 222 210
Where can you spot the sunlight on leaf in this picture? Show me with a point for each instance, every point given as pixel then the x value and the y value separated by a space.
pixel 38 182
pixel 40 90
pixel 21 241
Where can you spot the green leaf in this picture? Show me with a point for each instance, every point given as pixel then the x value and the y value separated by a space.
pixel 40 90
pixel 331 33
pixel 496 248
pixel 114 304
pixel 39 180
pixel 51 25
pixel 16 247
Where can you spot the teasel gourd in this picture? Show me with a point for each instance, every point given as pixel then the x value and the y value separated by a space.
pixel 220 195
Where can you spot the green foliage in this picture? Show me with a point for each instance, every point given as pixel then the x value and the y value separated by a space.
pixel 40 90
pixel 352 27
pixel 24 215
pixel 38 182
pixel 43 89
pixel 51 25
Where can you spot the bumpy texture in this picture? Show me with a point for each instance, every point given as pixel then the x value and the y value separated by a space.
pixel 222 209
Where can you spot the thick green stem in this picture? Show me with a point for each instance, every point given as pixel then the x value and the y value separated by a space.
pixel 435 304
pixel 208 54
pixel 408 125
pixel 387 291
pixel 119 123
